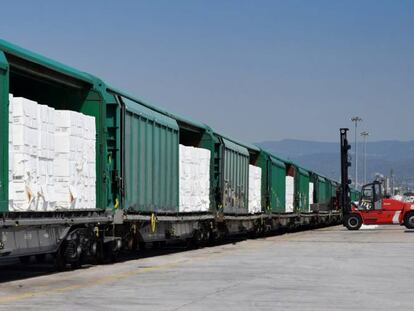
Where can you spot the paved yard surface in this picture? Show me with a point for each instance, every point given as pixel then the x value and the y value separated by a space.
pixel 325 269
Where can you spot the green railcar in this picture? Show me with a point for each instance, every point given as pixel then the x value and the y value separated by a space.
pixel 301 190
pixel 150 160
pixel 29 75
pixel 234 181
pixel 329 191
pixel 229 166
pixel 355 195
pixel 273 182
pixel 277 188
pixel 322 187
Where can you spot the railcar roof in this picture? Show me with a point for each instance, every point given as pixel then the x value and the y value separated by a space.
pixel 12 49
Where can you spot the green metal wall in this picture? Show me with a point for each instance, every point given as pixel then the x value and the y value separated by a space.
pixel 235 167
pixel 301 190
pixel 355 195
pixel 277 185
pixel 94 105
pixel 151 160
pixel 113 126
pixel 328 191
pixel 263 162
pixel 322 190
pixel 211 142
pixel 4 133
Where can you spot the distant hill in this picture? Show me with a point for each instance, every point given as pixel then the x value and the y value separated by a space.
pixel 382 156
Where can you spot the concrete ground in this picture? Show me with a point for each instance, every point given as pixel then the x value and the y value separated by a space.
pixel 325 269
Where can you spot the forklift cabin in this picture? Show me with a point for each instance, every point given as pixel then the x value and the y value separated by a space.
pixel 371 197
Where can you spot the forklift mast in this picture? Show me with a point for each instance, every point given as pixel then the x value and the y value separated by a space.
pixel 345 196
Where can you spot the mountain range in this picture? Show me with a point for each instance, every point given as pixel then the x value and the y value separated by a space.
pixel 323 157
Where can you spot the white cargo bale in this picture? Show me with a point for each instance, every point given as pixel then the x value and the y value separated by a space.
pixel 24 166
pixel 255 189
pixel 290 194
pixel 44 176
pixel 24 139
pixel 75 160
pixel 90 130
pixel 69 122
pixel 25 112
pixel 23 196
pixel 46 143
pixel 194 187
pixel 311 190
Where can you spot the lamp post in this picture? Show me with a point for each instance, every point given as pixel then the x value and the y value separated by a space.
pixel 365 134
pixel 356 120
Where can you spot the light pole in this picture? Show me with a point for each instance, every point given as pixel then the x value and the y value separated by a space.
pixel 356 120
pixel 364 135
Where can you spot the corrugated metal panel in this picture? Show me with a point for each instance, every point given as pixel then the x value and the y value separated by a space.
pixel 301 190
pixel 151 160
pixel 321 190
pixel 235 178
pixel 328 195
pixel 277 186
pixel 235 147
pixel 149 114
pixel 240 143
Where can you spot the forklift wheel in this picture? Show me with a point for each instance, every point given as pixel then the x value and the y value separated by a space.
pixel 409 220
pixel 353 222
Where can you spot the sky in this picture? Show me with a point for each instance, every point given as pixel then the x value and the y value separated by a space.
pixel 253 70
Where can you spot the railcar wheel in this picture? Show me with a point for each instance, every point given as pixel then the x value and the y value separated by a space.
pixel 99 257
pixel 353 222
pixel 409 220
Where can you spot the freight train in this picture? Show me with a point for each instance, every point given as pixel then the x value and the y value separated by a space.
pixel 153 176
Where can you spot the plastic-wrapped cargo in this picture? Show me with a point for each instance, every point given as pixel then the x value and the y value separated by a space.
pixel 290 193
pixel 255 189
pixel 74 160
pixel 194 185
pixel 24 127
pixel 51 158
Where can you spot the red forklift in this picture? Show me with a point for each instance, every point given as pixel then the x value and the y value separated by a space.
pixel 373 208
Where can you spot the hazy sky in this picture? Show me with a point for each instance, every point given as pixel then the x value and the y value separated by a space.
pixel 255 70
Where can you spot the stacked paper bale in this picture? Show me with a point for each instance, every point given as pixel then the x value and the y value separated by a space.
pixel 51 158
pixel 46 154
pixel 255 189
pixel 74 160
pixel 290 193
pixel 24 128
pixel 194 194
pixel 90 146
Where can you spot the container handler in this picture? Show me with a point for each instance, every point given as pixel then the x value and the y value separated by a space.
pixel 373 207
